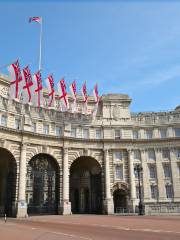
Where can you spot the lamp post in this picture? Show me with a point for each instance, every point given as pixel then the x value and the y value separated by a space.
pixel 139 169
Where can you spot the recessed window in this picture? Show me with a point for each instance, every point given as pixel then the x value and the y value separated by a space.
pixel 85 133
pixel 58 131
pixel 149 134
pixel 178 153
pixel 117 134
pixel 46 129
pixel 34 127
pixel 169 191
pixel 163 133
pixel 137 155
pixel 4 120
pixel 17 123
pixel 154 192
pixel 119 172
pixel 152 171
pixel 135 134
pixel 167 171
pixel 73 132
pixel 165 154
pixel 98 134
pixel 118 155
pixel 177 132
pixel 151 154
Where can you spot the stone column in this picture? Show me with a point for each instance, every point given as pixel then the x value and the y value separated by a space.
pixel 22 205
pixel 66 205
pixel 132 179
pixel 109 205
pixel 160 176
pixel 175 175
pixel 146 187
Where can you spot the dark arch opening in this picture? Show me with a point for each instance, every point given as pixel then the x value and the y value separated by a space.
pixel 8 170
pixel 42 187
pixel 85 186
pixel 120 200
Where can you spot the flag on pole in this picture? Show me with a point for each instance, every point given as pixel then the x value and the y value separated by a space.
pixel 85 98
pixel 37 98
pixel 73 91
pixel 51 92
pixel 96 98
pixel 15 80
pixel 35 19
pixel 63 94
pixel 27 85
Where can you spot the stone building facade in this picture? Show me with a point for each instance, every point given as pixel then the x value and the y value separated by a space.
pixel 54 162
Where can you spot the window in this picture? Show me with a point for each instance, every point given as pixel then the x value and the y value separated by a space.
pixel 118 155
pixel 151 154
pixel 58 131
pixel 17 123
pixel 154 192
pixel 98 134
pixel 46 129
pixel 163 133
pixel 152 171
pixel 137 155
pixel 119 172
pixel 135 174
pixel 137 191
pixel 85 133
pixel 167 171
pixel 4 120
pixel 135 134
pixel 178 153
pixel 169 191
pixel 73 132
pixel 177 132
pixel 165 154
pixel 149 134
pixel 117 134
pixel 34 127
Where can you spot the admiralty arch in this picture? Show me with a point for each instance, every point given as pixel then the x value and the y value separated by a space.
pixel 54 162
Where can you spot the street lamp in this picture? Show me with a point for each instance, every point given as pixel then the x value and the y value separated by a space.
pixel 139 169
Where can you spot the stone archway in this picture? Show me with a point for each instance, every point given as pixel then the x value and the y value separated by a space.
pixel 85 186
pixel 42 186
pixel 8 170
pixel 120 198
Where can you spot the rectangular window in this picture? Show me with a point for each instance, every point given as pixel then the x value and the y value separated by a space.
pixel 165 154
pixel 152 171
pixel 58 131
pixel 167 171
pixel 135 174
pixel 149 134
pixel 135 134
pixel 169 191
pixel 85 133
pixel 177 132
pixel 117 134
pixel 46 129
pixel 17 123
pixel 73 132
pixel 118 155
pixel 119 172
pixel 34 127
pixel 151 154
pixel 163 133
pixel 137 155
pixel 178 153
pixel 4 120
pixel 154 192
pixel 98 134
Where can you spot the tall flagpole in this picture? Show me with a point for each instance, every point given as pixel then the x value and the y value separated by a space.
pixel 40 46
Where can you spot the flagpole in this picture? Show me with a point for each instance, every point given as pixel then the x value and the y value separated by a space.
pixel 40 46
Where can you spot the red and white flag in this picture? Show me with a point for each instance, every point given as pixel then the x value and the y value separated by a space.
pixel 35 19
pixel 51 92
pixel 63 94
pixel 85 98
pixel 37 98
pixel 27 85
pixel 74 95
pixel 96 98
pixel 15 80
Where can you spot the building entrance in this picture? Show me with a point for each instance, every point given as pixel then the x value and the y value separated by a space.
pixel 85 186
pixel 120 200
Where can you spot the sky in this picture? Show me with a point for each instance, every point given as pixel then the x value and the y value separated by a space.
pixel 130 47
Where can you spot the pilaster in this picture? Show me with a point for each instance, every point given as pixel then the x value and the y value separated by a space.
pixel 175 175
pixel 132 179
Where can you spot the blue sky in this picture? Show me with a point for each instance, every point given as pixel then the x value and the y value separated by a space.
pixel 130 47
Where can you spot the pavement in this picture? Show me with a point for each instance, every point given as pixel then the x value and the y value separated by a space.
pixel 91 227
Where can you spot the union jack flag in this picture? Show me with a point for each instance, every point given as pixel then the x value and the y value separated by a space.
pixel 35 19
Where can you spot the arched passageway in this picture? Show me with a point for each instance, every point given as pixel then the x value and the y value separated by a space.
pixel 42 188
pixel 8 170
pixel 120 200
pixel 85 186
